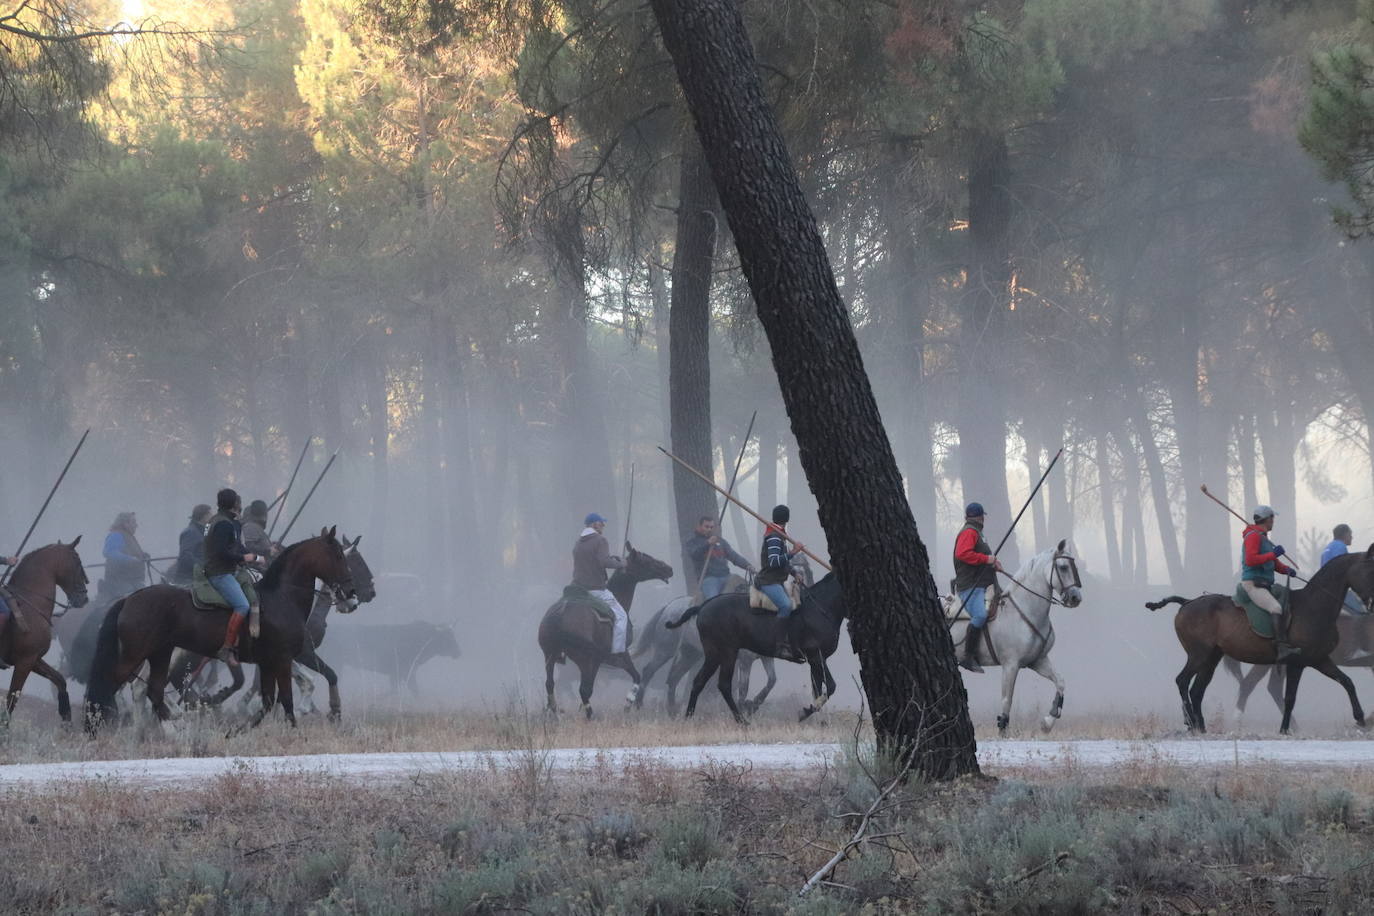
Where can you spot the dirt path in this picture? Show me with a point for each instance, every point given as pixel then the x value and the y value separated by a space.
pixel 993 755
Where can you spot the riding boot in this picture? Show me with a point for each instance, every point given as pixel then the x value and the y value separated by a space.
pixel 228 653
pixel 789 641
pixel 255 620
pixel 1283 649
pixel 970 660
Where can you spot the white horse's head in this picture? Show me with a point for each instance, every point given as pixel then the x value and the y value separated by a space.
pixel 1063 575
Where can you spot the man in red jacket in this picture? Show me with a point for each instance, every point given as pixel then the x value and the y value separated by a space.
pixel 1259 560
pixel 975 568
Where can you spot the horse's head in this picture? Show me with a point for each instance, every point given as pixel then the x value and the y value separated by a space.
pixel 446 642
pixel 318 558
pixel 69 573
pixel 641 567
pixel 1360 578
pixel 1063 575
pixel 363 584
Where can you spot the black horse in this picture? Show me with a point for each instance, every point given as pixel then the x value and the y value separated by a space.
pixel 729 625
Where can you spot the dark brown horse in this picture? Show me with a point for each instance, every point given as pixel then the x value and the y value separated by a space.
pixel 149 624
pixel 1354 649
pixel 728 626
pixel 1212 626
pixel 572 630
pixel 33 595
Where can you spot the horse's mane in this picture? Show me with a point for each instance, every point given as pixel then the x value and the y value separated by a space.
pixel 1334 567
pixel 272 578
pixel 1047 554
pixel 24 560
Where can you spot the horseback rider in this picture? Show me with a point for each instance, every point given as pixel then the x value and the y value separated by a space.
pixel 125 559
pixel 591 558
pixel 707 548
pixel 190 546
pixel 975 570
pixel 255 530
pixel 775 562
pixel 1341 539
pixel 224 555
pixel 1259 559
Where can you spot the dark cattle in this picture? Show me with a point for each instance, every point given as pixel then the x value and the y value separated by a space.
pixel 394 649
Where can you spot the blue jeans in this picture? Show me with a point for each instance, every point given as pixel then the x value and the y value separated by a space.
pixel 778 595
pixel 712 586
pixel 1354 604
pixel 230 590
pixel 976 603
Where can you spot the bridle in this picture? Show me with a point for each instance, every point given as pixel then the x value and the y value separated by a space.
pixel 1056 580
pixel 27 597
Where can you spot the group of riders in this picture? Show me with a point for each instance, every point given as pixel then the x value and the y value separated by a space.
pixel 224 542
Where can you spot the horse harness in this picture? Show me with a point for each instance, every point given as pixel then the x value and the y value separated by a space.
pixel 1051 599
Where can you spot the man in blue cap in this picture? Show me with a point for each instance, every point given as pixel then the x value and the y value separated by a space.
pixel 591 558
pixel 975 568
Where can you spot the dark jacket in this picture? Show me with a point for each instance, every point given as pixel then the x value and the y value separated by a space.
pixel 224 548
pixel 254 536
pixel 190 551
pixel 718 557
pixel 591 558
pixel 972 559
pixel 775 563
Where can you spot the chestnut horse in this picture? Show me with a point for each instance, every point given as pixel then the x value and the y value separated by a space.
pixel 149 624
pixel 572 630
pixel 32 597
pixel 1212 626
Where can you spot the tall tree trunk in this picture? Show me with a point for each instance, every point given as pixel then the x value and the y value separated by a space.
pixel 469 556
pixel 768 463
pixel 689 336
pixel 378 422
pixel 1246 439
pixel 1033 472
pixel 1133 522
pixel 982 380
pixel 1059 522
pixel 658 291
pixel 1107 497
pixel 1159 490
pixel 1278 437
pixel 296 407
pixel 916 697
pixel 438 555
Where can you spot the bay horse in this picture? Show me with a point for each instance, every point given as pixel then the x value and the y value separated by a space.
pixel 728 626
pixel 149 624
pixel 1212 626
pixel 32 599
pixel 1022 635
pixel 316 623
pixel 572 630
pixel 1353 650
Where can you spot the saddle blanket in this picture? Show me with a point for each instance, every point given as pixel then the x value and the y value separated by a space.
pixel 576 594
pixel 764 605
pixel 1261 621
pixel 204 596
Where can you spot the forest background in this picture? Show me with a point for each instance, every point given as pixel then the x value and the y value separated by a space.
pixel 438 236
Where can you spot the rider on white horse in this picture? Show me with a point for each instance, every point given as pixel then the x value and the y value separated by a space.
pixel 975 569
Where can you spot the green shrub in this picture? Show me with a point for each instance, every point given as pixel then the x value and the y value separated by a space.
pixel 671 888
pixel 613 834
pixel 491 886
pixel 318 872
pixel 690 838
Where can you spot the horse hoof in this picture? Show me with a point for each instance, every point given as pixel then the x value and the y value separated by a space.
pixel 1046 724
pixel 587 711
pixel 335 715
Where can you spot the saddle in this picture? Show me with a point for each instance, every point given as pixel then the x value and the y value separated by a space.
pixel 206 598
pixel 953 612
pixel 576 594
pixel 762 604
pixel 1261 621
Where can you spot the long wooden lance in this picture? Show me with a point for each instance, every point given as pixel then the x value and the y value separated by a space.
pixel 281 500
pixel 712 484
pixel 720 520
pixel 28 534
pixel 1240 518
pixel 1002 543
pixel 325 470
pixel 630 509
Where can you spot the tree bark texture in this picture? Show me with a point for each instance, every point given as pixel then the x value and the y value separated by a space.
pixel 689 338
pixel 916 697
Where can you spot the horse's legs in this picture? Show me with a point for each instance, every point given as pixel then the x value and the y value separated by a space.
pixel 64 703
pixel 224 693
pixel 1276 673
pixel 21 674
pixel 1290 696
pixel 284 692
pixel 1249 681
pixel 1199 688
pixel 1327 667
pixel 744 666
pixel 708 667
pixel 626 664
pixel 158 663
pixel 1009 672
pixel 311 659
pixel 682 663
pixel 549 662
pixel 584 690
pixel 726 683
pixel 658 661
pixel 1045 668
pixel 819 677
pixel 769 668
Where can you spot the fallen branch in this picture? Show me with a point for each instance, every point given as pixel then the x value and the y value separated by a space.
pixel 1043 866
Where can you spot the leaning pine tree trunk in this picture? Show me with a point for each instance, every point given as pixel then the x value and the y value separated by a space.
pixel 907 662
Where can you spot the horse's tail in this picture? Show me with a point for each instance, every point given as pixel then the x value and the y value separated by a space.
pixel 101 686
pixel 1163 602
pixel 686 616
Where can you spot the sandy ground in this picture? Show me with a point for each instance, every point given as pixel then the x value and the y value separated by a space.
pixel 993 755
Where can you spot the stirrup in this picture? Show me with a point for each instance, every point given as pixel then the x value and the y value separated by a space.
pixel 969 663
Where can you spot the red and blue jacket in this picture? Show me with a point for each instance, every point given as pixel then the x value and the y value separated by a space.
pixel 1257 559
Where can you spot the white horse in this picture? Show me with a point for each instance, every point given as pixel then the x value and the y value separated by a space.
pixel 1021 635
